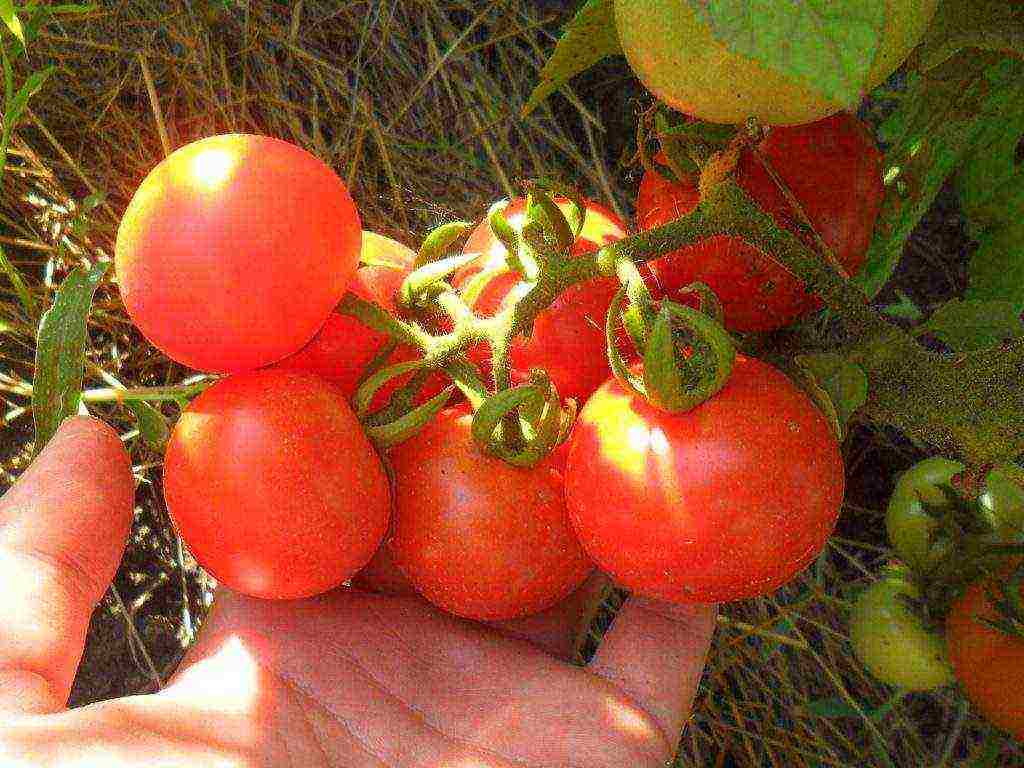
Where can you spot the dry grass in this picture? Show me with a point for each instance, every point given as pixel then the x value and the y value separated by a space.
pixel 415 103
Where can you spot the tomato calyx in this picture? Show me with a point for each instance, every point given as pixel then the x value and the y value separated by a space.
pixel 1005 596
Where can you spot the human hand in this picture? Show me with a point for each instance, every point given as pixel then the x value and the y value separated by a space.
pixel 347 679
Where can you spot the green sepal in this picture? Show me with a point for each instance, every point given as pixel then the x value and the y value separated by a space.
pixel 501 228
pixel 401 429
pixel 710 304
pixel 364 395
pixel 615 360
pixel 437 242
pixel 495 408
pixel 420 282
pixel 551 216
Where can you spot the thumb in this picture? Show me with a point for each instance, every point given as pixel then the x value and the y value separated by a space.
pixel 63 528
pixel 655 652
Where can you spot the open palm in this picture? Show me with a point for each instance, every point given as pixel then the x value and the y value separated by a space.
pixel 346 679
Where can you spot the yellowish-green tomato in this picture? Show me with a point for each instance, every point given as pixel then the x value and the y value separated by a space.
pixel 681 62
pixel 892 642
pixel 913 530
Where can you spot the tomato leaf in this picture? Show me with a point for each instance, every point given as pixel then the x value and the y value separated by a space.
pixel 940 121
pixel 844 383
pixel 828 44
pixel 972 325
pixel 588 39
pixel 988 25
pixel 16 106
pixel 152 424
pixel 60 352
pixel 10 19
pixel 996 270
pixel 20 289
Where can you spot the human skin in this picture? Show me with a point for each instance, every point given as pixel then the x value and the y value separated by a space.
pixel 347 679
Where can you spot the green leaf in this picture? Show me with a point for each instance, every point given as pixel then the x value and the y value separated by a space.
pixel 60 353
pixel 9 18
pixel 828 44
pixel 996 271
pixel 844 383
pixel 588 39
pixel 972 325
pixel 152 424
pixel 904 308
pixel 989 25
pixel 17 105
pixel 24 296
pixel 940 121
pixel 831 708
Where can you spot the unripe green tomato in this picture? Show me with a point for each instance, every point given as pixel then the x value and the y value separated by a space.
pixel 681 62
pixel 912 530
pixel 893 643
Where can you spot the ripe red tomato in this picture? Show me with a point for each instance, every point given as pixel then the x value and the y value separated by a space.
pixel 476 536
pixel 833 169
pixel 343 348
pixel 273 486
pixel 724 502
pixel 988 663
pixel 234 250
pixel 568 339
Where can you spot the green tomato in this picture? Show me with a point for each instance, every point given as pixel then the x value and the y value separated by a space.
pixel 914 532
pixel 892 642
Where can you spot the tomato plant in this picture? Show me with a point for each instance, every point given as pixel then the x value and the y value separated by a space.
pixel 726 501
pixel 273 486
pixel 682 62
pixel 925 491
pixel 344 347
pixel 891 639
pixel 234 250
pixel 568 337
pixel 988 661
pixel 475 536
pixel 832 168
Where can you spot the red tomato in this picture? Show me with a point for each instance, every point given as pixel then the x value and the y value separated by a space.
pixel 476 536
pixel 568 339
pixel 724 502
pixel 834 171
pixel 273 486
pixel 234 250
pixel 344 346
pixel 988 663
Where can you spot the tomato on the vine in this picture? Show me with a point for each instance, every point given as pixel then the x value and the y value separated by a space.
pixel 926 489
pixel 273 485
pixel 234 250
pixel 476 536
pixel 344 347
pixel 568 338
pixel 832 168
pixel 892 641
pixel 727 501
pixel 988 662
pixel 684 62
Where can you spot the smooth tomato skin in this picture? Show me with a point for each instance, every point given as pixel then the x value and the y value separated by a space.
pixel 272 484
pixel 989 664
pixel 343 347
pixel 724 502
pixel 833 169
pixel 234 250
pixel 893 643
pixel 568 339
pixel 477 537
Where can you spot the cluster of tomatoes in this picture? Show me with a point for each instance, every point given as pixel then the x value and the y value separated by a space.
pixel 232 258
pixel 938 615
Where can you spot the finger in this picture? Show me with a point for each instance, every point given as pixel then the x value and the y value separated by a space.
pixel 655 652
pixel 557 629
pixel 63 528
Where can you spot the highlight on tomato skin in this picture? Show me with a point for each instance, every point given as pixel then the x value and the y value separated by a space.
pixel 273 485
pixel 475 536
pixel 728 501
pixel 568 337
pixel 234 250
pixel 834 170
